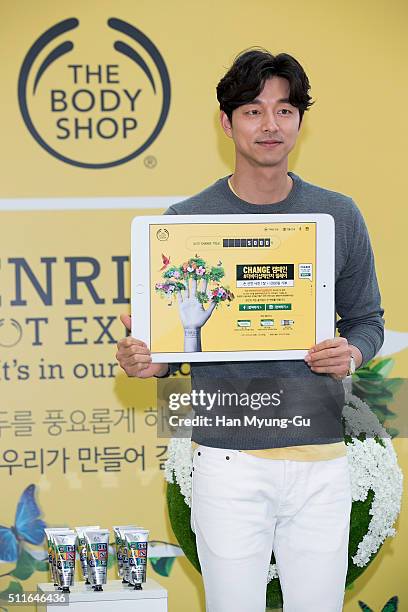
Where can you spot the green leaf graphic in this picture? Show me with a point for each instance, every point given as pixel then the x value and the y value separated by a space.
pixel 42 566
pixel 382 409
pixel 384 367
pixel 14 587
pixel 26 565
pixel 391 605
pixel 162 565
pixel 111 560
pixel 367 374
pixel 393 384
pixel 364 607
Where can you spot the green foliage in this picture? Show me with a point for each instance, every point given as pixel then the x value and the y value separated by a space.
pixel 202 297
pixel 379 441
pixel 216 273
pixel 364 607
pixel 26 566
pixel 390 606
pixel 179 514
pixel 111 557
pixel 13 587
pixel 42 566
pixel 162 565
pixel 180 286
pixel 372 386
pixel 198 261
pixel 360 518
pixel 383 367
pixel 170 271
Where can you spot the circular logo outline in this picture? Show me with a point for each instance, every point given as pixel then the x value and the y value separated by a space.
pixel 17 327
pixel 61 28
pixel 162 234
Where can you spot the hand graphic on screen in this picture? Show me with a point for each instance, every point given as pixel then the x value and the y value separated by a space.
pixel 195 284
pixel 192 313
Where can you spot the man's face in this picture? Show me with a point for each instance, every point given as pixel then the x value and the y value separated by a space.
pixel 265 130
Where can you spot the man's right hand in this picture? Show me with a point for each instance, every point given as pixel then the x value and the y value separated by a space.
pixel 135 358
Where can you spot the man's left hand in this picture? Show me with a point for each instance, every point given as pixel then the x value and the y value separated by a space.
pixel 332 357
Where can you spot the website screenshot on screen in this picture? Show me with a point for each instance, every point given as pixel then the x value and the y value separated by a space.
pixel 257 279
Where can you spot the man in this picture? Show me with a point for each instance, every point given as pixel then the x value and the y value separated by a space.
pixel 254 492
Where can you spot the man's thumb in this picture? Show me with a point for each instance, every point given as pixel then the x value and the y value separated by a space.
pixel 126 320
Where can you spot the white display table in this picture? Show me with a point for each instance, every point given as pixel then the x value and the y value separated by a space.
pixel 115 597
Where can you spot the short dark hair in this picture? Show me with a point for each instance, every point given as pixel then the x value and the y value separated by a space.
pixel 245 79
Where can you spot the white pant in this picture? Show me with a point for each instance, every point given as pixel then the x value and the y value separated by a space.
pixel 244 506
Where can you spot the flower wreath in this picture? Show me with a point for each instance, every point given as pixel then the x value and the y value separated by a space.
pixel 376 483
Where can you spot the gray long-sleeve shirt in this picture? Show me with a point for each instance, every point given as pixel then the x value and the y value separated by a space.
pixel 358 306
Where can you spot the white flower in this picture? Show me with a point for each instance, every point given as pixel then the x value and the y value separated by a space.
pixel 372 466
pixel 179 463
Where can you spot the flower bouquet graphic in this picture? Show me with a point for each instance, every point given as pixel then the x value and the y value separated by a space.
pixel 196 287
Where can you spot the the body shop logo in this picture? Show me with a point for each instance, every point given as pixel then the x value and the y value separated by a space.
pixel 95 101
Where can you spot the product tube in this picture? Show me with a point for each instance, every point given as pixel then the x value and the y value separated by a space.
pixel 97 550
pixel 119 546
pixel 54 562
pixel 81 547
pixel 51 556
pixel 137 554
pixel 125 558
pixel 65 553
pixel 55 556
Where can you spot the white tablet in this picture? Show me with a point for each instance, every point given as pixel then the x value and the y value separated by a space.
pixel 232 287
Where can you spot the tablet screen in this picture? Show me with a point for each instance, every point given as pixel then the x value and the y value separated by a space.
pixel 254 284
